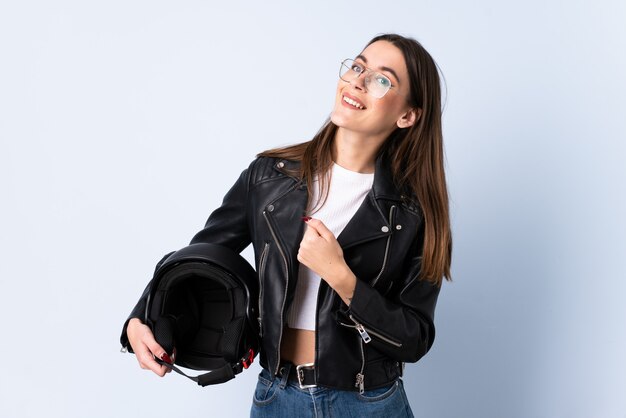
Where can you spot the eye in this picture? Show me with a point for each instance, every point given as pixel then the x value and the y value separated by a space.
pixel 383 81
pixel 356 68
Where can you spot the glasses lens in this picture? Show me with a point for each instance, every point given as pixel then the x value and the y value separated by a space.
pixel 346 72
pixel 377 84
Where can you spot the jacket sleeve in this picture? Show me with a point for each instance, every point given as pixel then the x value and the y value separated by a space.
pixel 226 226
pixel 400 325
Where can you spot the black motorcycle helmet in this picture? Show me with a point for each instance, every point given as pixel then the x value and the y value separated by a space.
pixel 203 302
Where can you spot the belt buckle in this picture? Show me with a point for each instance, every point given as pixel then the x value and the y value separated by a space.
pixel 300 374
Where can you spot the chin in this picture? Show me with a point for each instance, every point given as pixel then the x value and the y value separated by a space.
pixel 341 120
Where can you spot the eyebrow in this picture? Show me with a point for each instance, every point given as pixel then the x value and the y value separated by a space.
pixel 390 70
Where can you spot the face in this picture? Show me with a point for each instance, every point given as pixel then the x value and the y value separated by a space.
pixel 357 111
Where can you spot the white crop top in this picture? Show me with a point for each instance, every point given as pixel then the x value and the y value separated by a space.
pixel 346 192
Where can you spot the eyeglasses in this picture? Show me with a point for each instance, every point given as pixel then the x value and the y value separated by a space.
pixel 376 84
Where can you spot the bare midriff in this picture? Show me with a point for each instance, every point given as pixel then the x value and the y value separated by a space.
pixel 298 346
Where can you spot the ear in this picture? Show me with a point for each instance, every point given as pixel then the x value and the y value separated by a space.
pixel 409 118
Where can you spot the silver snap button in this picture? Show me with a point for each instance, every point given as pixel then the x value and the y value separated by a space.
pixel 281 164
pixel 270 208
pixel 398 227
pixel 385 229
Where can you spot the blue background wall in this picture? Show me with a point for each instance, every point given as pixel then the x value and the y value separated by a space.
pixel 122 124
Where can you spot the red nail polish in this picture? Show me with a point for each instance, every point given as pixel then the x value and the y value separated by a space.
pixel 306 218
pixel 166 358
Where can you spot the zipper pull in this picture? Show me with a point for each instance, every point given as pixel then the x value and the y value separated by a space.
pixel 366 337
pixel 360 377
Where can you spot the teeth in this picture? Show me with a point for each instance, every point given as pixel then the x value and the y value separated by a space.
pixel 353 102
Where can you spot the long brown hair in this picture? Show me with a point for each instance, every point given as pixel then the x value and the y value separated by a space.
pixel 415 155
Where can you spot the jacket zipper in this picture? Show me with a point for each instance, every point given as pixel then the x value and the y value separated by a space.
pixel 360 377
pixel 365 337
pixel 282 254
pixel 380 273
pixel 365 334
pixel 261 278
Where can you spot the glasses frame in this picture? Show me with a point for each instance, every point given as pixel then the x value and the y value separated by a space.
pixel 368 74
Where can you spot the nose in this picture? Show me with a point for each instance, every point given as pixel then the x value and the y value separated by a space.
pixel 359 81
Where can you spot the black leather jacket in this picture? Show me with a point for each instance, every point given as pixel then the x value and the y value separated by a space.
pixel 390 318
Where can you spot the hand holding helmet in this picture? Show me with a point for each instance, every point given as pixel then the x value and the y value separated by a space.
pixel 203 301
pixel 146 348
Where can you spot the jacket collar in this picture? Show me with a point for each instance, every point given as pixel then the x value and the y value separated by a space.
pixel 383 186
pixel 372 219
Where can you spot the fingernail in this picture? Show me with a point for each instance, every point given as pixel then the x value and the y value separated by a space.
pixel 306 218
pixel 166 358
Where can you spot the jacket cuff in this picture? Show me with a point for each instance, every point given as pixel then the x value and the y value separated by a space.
pixel 124 337
pixel 363 294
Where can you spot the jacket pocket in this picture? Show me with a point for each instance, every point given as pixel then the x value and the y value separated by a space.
pixel 367 333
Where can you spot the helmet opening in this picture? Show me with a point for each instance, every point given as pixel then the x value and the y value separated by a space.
pixel 202 314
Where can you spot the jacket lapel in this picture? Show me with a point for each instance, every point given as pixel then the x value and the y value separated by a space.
pixel 366 224
pixel 372 219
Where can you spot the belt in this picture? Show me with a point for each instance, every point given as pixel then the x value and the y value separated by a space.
pixel 304 374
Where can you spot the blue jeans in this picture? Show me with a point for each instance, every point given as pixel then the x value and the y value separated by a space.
pixel 277 397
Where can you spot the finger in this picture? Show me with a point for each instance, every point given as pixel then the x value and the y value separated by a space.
pixel 147 362
pixel 155 350
pixel 300 257
pixel 309 238
pixel 154 347
pixel 321 229
pixel 310 232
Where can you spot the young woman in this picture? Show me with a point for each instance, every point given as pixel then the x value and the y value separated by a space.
pixel 352 241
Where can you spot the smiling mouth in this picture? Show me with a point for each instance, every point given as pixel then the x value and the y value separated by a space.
pixel 352 102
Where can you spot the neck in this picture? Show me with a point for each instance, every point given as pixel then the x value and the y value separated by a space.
pixel 355 152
